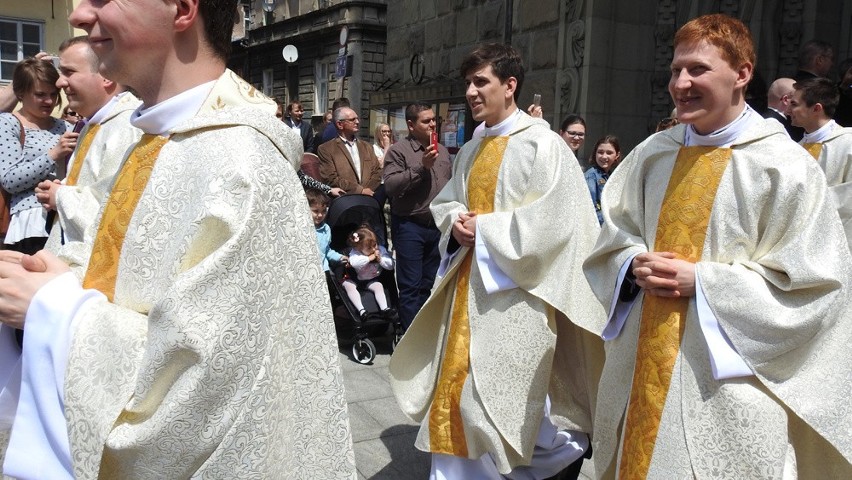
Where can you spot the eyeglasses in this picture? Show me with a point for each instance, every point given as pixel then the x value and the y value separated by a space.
pixel 575 134
pixel 356 119
pixel 386 131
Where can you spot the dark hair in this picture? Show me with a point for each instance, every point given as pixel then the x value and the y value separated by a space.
pixel 292 104
pixel 412 111
pixel 219 17
pixel 504 60
pixel 30 71
pixel 811 50
pixel 363 235
pixel 316 197
pixel 612 140
pixel 82 40
pixel 819 90
pixel 571 120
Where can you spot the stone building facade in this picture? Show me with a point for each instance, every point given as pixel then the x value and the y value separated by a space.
pixel 314 28
pixel 606 60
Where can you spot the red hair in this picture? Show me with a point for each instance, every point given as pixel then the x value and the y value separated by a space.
pixel 726 33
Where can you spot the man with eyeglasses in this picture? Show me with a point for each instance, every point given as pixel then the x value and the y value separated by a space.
pixel 347 162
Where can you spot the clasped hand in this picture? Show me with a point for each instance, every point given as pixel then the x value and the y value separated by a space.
pixel 464 229
pixel 664 275
pixel 21 276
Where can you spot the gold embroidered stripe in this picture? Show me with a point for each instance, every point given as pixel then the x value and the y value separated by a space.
pixel 103 264
pixel 682 228
pixel 446 430
pixel 814 149
pixel 82 151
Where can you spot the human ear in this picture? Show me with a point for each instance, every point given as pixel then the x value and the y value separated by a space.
pixel 186 14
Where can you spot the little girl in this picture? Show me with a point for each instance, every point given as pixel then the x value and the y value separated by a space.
pixel 367 258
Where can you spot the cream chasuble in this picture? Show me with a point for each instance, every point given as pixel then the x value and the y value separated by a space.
pixel 484 391
pixel 446 429
pixel 82 151
pixel 780 300
pixel 833 152
pixel 209 361
pixel 128 187
pixel 681 230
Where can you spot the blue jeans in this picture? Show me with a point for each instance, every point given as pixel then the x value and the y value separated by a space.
pixel 417 260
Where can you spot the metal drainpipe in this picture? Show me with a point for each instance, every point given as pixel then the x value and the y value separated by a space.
pixel 507 31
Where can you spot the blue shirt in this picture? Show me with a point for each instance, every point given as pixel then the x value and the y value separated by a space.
pixel 324 244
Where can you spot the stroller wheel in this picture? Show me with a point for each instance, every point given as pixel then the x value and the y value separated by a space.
pixel 364 351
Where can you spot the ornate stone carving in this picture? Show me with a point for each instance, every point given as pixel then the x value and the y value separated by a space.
pixel 575 45
pixel 664 31
pixel 790 37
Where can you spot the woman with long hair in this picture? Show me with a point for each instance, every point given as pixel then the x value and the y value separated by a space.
pixel 605 158
pixel 31 144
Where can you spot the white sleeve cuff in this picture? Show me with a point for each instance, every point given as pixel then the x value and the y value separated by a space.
pixel 493 278
pixel 39 429
pixel 618 310
pixel 724 359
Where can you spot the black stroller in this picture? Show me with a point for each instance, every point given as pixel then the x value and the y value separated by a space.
pixel 345 214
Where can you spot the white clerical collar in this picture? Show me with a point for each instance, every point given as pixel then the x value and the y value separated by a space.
pixel 104 110
pixel 725 136
pixel 504 127
pixel 160 118
pixel 819 135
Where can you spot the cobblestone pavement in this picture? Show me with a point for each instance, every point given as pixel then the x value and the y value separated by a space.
pixel 382 435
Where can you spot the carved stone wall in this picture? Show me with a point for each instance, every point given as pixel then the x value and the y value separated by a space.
pixel 575 45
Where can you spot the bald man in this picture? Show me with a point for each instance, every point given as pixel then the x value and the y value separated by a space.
pixel 778 99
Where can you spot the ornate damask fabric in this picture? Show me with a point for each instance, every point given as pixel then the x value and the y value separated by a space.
pixel 835 159
pixel 775 271
pixel 78 206
pixel 216 359
pixel 541 228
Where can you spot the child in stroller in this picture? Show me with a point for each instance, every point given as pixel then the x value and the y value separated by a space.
pixel 345 215
pixel 367 258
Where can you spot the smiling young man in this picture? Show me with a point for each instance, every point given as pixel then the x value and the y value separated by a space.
pixel 492 366
pixel 189 350
pixel 101 148
pixel 729 328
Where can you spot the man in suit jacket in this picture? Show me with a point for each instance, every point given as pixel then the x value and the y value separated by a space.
pixel 347 162
pixel 778 99
pixel 295 112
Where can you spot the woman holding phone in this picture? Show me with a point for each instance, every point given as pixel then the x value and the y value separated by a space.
pixel 31 142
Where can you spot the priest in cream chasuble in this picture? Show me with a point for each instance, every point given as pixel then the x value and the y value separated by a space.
pixel 478 363
pixel 740 369
pixel 192 352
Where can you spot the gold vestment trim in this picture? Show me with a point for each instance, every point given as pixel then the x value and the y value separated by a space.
pixel 129 185
pixel 814 149
pixel 682 228
pixel 446 428
pixel 83 150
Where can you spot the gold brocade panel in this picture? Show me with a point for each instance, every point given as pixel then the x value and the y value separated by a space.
pixel 682 228
pixel 814 149
pixel 82 151
pixel 446 430
pixel 129 184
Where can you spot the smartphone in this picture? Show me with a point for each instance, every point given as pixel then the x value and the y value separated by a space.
pixel 537 100
pixel 434 139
